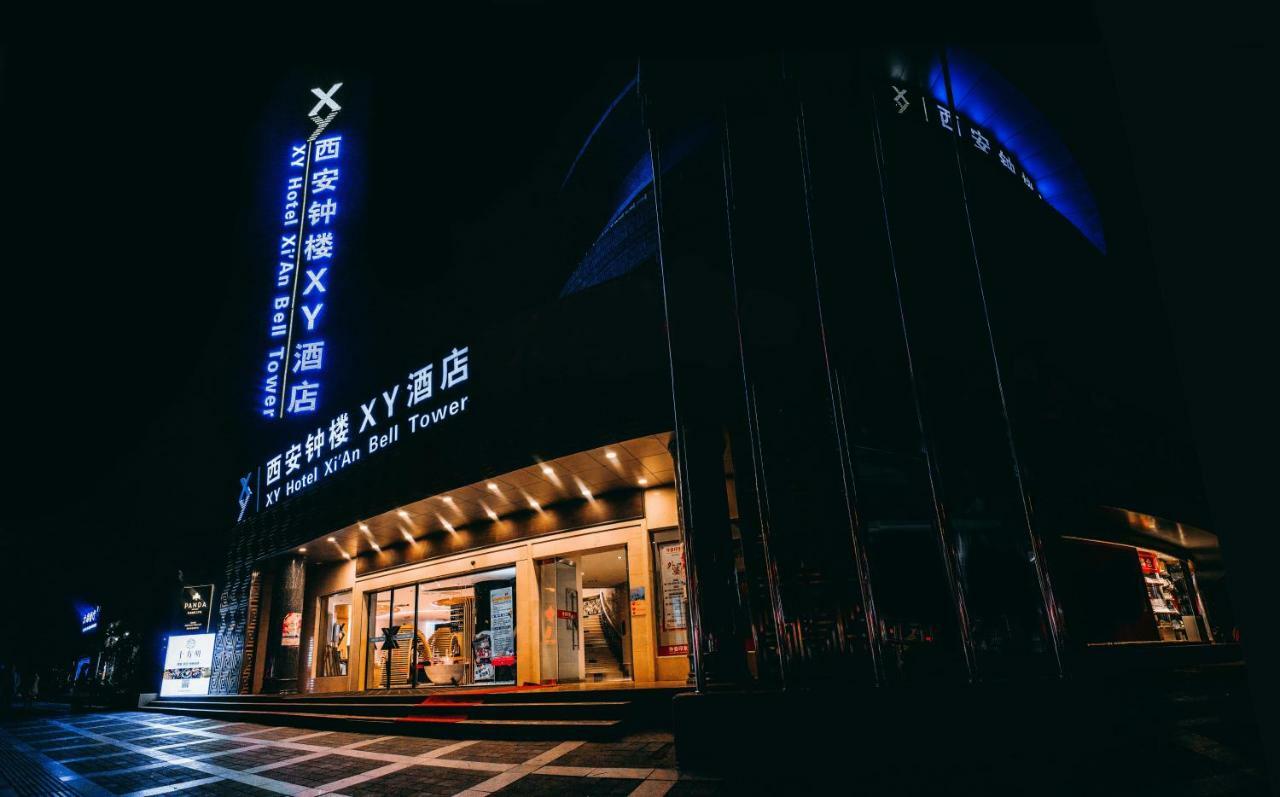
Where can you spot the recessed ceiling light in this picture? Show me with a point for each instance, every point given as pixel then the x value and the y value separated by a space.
pixel 303 549
pixel 493 487
pixel 402 514
pixel 546 469
pixel 331 539
pixel 611 454
pixel 448 499
pixel 534 504
pixel 586 492
pixel 643 482
pixel 364 526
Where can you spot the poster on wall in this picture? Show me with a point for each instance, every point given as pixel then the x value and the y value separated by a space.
pixel 482 647
pixel 291 630
pixel 673 635
pixel 187 665
pixel 501 622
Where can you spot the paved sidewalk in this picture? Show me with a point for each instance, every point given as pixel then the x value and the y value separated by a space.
pixel 137 753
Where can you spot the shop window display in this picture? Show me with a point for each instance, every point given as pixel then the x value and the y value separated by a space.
pixel 335 618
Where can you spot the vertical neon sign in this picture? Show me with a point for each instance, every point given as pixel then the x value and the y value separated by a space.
pixel 292 379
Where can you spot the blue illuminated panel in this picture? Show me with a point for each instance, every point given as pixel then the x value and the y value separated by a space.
pixel 304 259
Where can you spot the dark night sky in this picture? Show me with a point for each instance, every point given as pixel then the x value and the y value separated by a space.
pixel 121 329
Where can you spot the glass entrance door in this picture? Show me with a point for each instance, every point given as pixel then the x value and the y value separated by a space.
pixel 391 638
pixel 585 628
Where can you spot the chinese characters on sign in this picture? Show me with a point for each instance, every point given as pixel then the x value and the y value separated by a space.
pixel 305 252
pixel 948 120
pixel 428 396
pixel 673 638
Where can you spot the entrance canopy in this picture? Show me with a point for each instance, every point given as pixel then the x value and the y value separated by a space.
pixel 633 464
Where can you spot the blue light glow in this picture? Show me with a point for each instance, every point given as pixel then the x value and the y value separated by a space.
pixel 988 100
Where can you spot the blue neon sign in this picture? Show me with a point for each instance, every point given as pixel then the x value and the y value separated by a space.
pixel 89 619
pixel 305 256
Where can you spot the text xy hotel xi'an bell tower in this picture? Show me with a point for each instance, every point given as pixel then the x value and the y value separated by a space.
pixel 782 374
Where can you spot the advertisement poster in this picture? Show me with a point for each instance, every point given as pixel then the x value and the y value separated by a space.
pixel 482 648
pixel 673 639
pixel 187 664
pixel 501 622
pixel 671 563
pixel 291 630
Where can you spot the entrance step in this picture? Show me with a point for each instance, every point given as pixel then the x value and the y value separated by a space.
pixel 514 713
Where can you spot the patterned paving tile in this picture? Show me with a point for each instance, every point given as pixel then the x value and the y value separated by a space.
pixel 208 746
pixel 319 771
pixel 406 745
pixel 338 739
pixel 125 782
pixel 223 788
pixel 109 762
pixel 419 780
pixel 277 734
pixel 549 785
pixel 135 733
pixel 254 757
pixel 502 752
pixel 53 742
pixel 621 754
pixel 237 728
pixel 90 749
pixel 164 740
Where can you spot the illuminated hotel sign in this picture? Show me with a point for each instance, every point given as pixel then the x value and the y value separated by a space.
pixel 949 121
pixel 430 395
pixel 305 250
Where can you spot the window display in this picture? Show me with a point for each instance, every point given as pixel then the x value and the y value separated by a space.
pixel 335 644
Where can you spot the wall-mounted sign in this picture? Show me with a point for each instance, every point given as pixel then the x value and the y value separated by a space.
pixel 89 619
pixel 304 255
pixel 427 398
pixel 638 603
pixel 197 604
pixel 187 664
pixel 291 630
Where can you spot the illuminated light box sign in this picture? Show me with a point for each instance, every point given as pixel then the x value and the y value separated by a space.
pixel 427 398
pixel 197 604
pixel 187 665
pixel 89 619
pixel 304 256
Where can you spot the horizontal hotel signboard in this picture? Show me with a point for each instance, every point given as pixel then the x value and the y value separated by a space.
pixel 187 665
pixel 432 394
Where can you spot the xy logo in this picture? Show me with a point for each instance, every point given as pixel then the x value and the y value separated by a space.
pixel 326 101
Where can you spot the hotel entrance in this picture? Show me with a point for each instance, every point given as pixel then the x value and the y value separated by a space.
pixel 584 617
pixel 457 631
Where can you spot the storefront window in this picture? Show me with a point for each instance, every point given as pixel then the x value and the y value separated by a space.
pixel 1117 594
pixel 335 645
